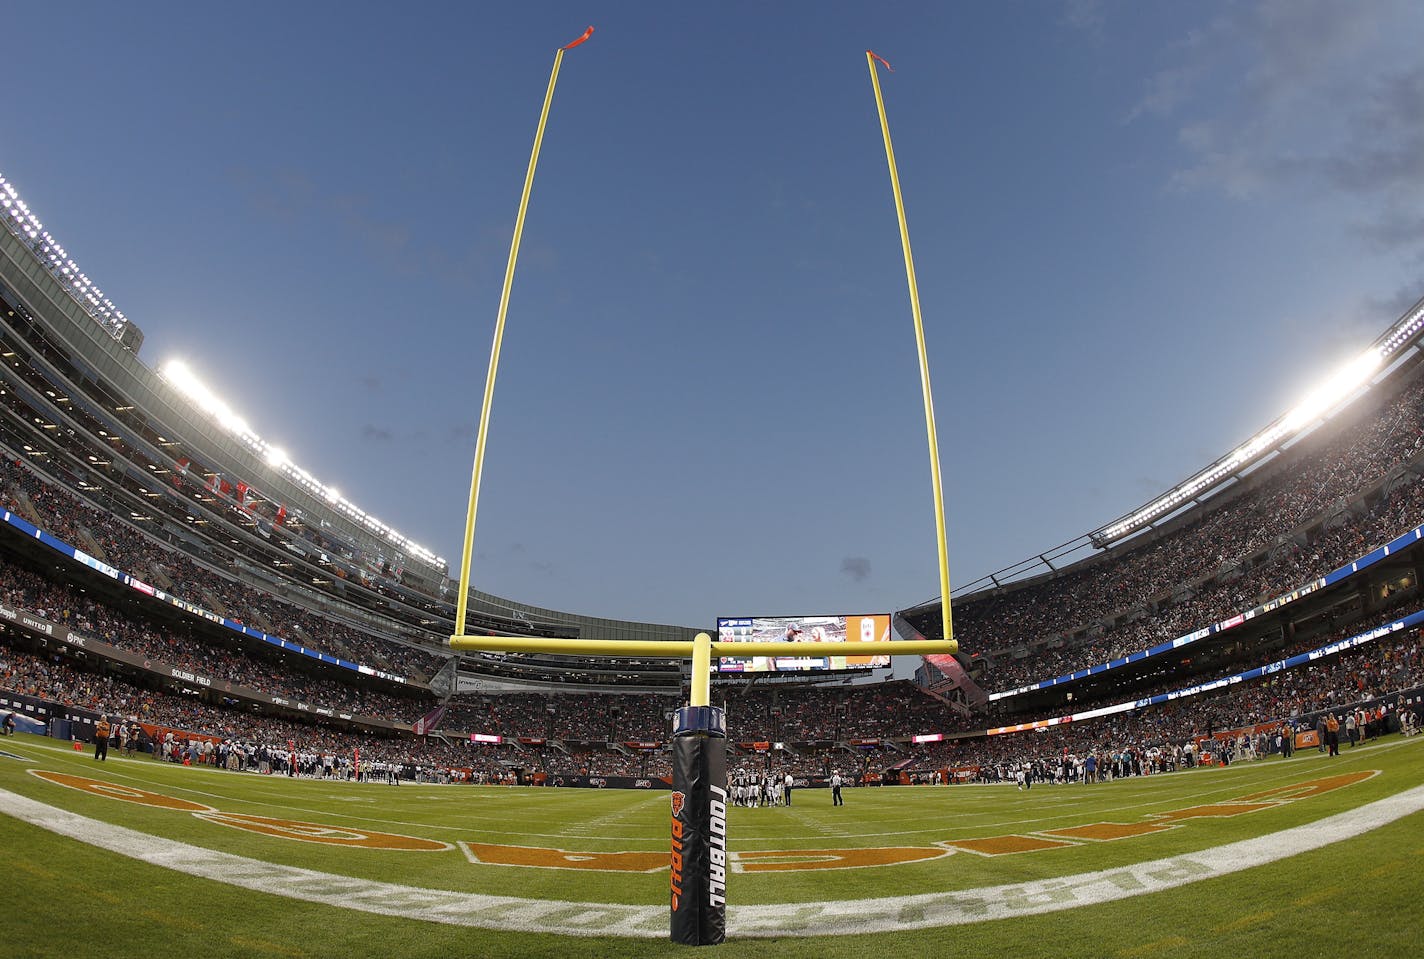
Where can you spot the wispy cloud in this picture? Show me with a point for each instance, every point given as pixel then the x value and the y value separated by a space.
pixel 1392 228
pixel 1166 90
pixel 1086 16
pixel 856 567
pixel 1395 305
pixel 1302 93
pixel 1386 144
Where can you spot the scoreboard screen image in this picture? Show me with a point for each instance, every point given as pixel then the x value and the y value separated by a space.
pixel 831 630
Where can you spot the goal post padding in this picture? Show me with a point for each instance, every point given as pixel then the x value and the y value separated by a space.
pixel 699 826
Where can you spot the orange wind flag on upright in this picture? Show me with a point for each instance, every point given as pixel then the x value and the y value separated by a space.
pixel 871 52
pixel 586 34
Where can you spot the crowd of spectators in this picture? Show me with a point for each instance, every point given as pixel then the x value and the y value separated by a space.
pixel 1004 712
pixel 1155 734
pixel 1316 506
pixel 583 717
pixel 360 577
pixel 588 759
pixel 1227 559
pixel 832 713
pixel 54 678
pixel 805 762
pixel 206 653
pixel 271 739
pixel 1215 600
pixel 256 509
pixel 761 714
pixel 769 713
pixel 1368 673
pixel 73 520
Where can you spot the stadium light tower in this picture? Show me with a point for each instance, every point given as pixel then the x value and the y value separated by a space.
pixel 698 854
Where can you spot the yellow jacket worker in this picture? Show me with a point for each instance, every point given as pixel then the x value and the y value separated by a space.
pixel 101 740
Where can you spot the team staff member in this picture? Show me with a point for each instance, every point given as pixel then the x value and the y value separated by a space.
pixel 101 740
pixel 836 799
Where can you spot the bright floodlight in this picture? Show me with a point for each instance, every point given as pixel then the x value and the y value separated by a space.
pixel 186 381
pixel 1319 401
pixel 178 373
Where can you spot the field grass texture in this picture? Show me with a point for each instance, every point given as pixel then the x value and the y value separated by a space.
pixel 1311 856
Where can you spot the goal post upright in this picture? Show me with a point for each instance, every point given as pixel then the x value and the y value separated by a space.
pixel 946 619
pixel 699 856
pixel 701 692
pixel 463 599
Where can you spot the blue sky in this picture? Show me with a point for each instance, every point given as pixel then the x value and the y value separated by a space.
pixel 1142 231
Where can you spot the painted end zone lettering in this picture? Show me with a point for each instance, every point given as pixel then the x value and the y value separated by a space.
pixel 97 787
pixel 327 835
pixel 280 828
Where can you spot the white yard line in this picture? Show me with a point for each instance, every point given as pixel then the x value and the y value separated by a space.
pixel 598 826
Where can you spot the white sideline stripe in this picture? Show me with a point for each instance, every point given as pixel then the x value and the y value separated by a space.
pixel 813 918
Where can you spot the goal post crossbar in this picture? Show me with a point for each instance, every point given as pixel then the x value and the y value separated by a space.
pixel 700 650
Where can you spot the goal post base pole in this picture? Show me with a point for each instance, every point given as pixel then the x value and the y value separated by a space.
pixel 698 862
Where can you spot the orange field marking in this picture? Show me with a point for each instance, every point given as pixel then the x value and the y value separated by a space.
pixel 760 861
pixel 1221 810
pixel 811 859
pixel 1006 845
pixel 492 854
pixel 1160 822
pixel 1107 831
pixel 1313 787
pixel 328 835
pixel 97 787
pixel 280 828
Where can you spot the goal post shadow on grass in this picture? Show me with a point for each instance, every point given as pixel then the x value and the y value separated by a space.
pixel 698 853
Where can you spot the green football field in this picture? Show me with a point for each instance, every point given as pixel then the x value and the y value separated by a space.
pixel 1280 858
